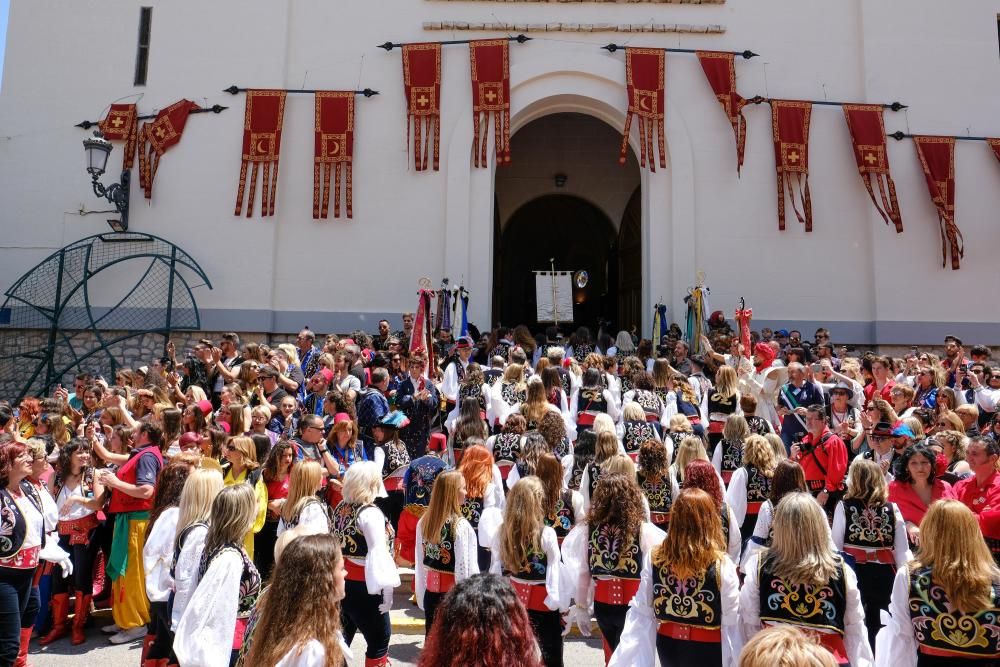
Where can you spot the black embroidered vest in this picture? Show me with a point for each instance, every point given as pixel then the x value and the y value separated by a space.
pixel 475 391
pixel 610 552
pixel 732 457
pixel 869 527
pixel 594 475
pixel 249 579
pixel 507 447
pixel 636 433
pixel 658 493
pixel 472 510
pixel 936 626
pixel 758 485
pixel 695 601
pixel 353 543
pixel 441 556
pixel 562 518
pixel 537 567
pixel 816 607
pixel 396 457
pixel 650 402
pixel 719 405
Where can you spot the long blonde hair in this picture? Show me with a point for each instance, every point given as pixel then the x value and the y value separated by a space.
pixel 232 516
pixel 303 481
pixel 800 552
pixel 866 482
pixel 726 382
pixel 692 448
pixel 200 490
pixel 444 506
pixel 952 545
pixel 521 533
pixel 757 452
pixel 535 404
pixel 606 447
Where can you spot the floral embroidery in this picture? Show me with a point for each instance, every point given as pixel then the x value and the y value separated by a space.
pixel 472 510
pixel 636 433
pixel 507 447
pixel 870 526
pixel 802 604
pixel 937 624
pixel 758 486
pixel 658 493
pixel 561 518
pixel 732 455
pixel 612 552
pixel 441 555
pixel 689 600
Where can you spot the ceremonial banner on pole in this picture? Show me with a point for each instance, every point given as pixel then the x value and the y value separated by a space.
pixel 743 317
pixel 463 310
pixel 121 124
pixel 644 80
pixel 995 145
pixel 790 131
pixel 659 323
pixel 422 85
pixel 334 150
pixel 422 337
pixel 490 94
pixel 158 137
pixel 265 113
pixel 937 159
pixel 720 69
pixel 867 128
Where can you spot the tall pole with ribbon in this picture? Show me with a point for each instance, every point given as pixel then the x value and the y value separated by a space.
pixel 743 317
pixel 697 306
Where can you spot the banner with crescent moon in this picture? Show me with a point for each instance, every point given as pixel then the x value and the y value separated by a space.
pixel 868 136
pixel 995 145
pixel 334 151
pixel 265 113
pixel 790 131
pixel 937 159
pixel 422 85
pixel 121 124
pixel 158 137
pixel 644 80
pixel 490 94
pixel 720 70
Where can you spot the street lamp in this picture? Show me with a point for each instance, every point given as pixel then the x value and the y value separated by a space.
pixel 97 150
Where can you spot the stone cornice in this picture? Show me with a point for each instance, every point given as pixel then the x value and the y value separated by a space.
pixel 451 26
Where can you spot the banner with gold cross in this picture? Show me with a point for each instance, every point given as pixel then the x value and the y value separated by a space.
pixel 262 121
pixel 790 132
pixel 121 125
pixel 490 60
pixel 334 151
pixel 158 137
pixel 422 85
pixel 644 70
pixel 868 137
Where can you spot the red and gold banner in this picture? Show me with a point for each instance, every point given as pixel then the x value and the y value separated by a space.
pixel 121 124
pixel 490 59
pixel 995 145
pixel 265 113
pixel 790 131
pixel 720 69
pixel 644 79
pixel 422 85
pixel 864 121
pixel 158 137
pixel 937 159
pixel 334 151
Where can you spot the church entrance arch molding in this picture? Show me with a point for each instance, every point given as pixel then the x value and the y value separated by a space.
pixel 572 81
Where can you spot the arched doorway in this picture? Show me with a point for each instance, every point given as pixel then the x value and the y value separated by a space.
pixel 564 197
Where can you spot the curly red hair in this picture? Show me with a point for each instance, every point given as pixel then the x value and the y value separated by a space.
pixel 9 453
pixel 481 623
pixel 701 475
pixel 477 468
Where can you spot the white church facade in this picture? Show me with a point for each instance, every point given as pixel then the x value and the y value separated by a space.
pixel 642 236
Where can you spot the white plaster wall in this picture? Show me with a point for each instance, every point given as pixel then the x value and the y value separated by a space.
pixel 66 61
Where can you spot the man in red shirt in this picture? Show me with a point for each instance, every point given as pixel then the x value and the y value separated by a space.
pixel 823 457
pixel 981 491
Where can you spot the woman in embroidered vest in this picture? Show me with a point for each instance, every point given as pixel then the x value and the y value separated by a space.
pixel 721 402
pixel 484 498
pixel 446 545
pixel 276 475
pixel 590 400
pixel 800 580
pixel 727 457
pixel 506 445
pixel 366 543
pixel 654 479
pixel 870 529
pixel 758 425
pixel 78 498
pixel 241 455
pixel 915 488
pixel 482 624
pixel 527 552
pixel 536 404
pixel 946 604
pixel 303 507
pixel 563 507
pixel 211 630
pixel 657 411
pixel 787 478
pixel 750 484
pixel 470 424
pixel 662 375
pixel 292 629
pixel 701 475
pixel 607 446
pixel 636 431
pixel 534 446
pixel 475 389
pixel 200 490
pixel 392 458
pixel 688 597
pixel 553 429
pixel 692 448
pixel 508 393
pixel 157 555
pixel 584 451
pixel 603 556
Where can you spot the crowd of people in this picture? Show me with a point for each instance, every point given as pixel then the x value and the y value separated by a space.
pixel 782 503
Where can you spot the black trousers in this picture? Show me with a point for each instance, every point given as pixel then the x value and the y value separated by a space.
pixel 159 627
pixel 18 609
pixel 611 621
pixel 263 548
pixel 875 586
pixel 82 557
pixel 682 653
pixel 548 631
pixel 431 602
pixel 359 611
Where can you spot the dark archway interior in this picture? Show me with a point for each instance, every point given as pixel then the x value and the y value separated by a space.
pixel 579 236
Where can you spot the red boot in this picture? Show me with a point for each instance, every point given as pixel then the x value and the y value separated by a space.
pixel 22 654
pixel 377 662
pixel 147 641
pixel 59 604
pixel 80 618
